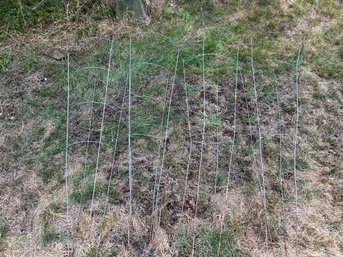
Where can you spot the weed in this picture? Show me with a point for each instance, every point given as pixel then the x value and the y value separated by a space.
pixel 30 64
pixel 268 89
pixel 302 164
pixel 217 179
pixel 287 164
pixel 3 231
pixel 251 151
pixel 5 61
pixel 184 244
pixel 40 131
pixel 85 194
pixel 3 235
pixel 215 121
pixel 50 235
pixel 46 174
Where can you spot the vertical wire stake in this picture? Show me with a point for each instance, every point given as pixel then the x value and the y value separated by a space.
pixel 114 155
pixel 67 157
pixel 231 150
pixel 156 175
pixel 263 186
pixel 129 155
pixel 297 87
pixel 166 135
pixel 90 124
pixel 189 136
pixel 277 92
pixel 101 132
pixel 203 126
pixel 217 144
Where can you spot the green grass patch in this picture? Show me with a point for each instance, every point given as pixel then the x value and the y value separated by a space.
pixel 24 14
pixel 209 243
pixel 330 68
pixel 50 235
pixel 83 191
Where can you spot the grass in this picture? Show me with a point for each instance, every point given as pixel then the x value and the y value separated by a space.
pixel 3 235
pixel 287 164
pixel 50 234
pixel 3 231
pixel 16 16
pixel 40 146
pixel 92 253
pixel 85 193
pixel 207 244
pixel 5 61
pixel 20 17
pixel 215 121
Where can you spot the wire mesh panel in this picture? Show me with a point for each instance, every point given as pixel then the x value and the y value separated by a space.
pixel 156 141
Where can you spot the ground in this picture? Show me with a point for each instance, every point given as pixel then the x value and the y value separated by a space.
pixel 236 129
